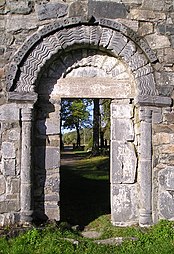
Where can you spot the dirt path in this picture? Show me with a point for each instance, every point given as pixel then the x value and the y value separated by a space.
pixel 68 157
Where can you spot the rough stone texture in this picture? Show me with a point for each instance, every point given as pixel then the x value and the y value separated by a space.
pixel 149 15
pixel 124 204
pixel 16 23
pixel 78 8
pixel 110 58
pixel 158 5
pixel 166 193
pixel 158 41
pixel 47 158
pixel 106 9
pixel 8 150
pixel 21 7
pixel 2 185
pixel 9 112
pixel 51 10
pixel 145 28
pixel 9 166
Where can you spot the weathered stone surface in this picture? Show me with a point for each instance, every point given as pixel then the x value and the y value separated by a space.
pixel 166 29
pixel 48 126
pixel 96 87
pixel 122 111
pixel 131 2
pixel 133 24
pixel 167 149
pixel 122 130
pixel 158 5
pixel 86 69
pixel 52 211
pixel 47 158
pixel 51 10
pixel 161 138
pixel 124 162
pixel 25 22
pixel 145 28
pixel 166 178
pixel 52 184
pixel 2 72
pixel 9 206
pixel 9 166
pixel 124 204
pixel 13 186
pixel 106 9
pixel 146 15
pixel 8 150
pixel 2 185
pixel 78 8
pixel 9 218
pixel 157 41
pixel 169 117
pixel 14 134
pixel 9 112
pixel 157 116
pixel 2 2
pixel 166 204
pixel 21 7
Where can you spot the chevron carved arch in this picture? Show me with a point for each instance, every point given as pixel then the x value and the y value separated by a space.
pixel 102 34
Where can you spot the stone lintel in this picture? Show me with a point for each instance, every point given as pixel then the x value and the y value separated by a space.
pixel 158 101
pixel 22 97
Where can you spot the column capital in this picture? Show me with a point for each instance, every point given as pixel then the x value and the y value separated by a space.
pixel 146 114
pixel 26 114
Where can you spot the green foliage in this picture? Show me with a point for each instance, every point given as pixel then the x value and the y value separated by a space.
pixel 158 239
pixel 74 113
pixel 85 136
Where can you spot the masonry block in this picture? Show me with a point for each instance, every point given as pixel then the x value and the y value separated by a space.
pixel 8 150
pixel 106 9
pixel 124 162
pixel 2 185
pixel 51 10
pixel 9 167
pixel 124 204
pixel 47 158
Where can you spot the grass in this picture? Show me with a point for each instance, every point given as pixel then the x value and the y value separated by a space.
pixel 158 239
pixel 85 189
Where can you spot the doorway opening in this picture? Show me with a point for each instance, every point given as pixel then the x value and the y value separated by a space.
pixel 85 160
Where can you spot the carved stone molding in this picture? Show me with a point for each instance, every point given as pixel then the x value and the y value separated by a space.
pixel 56 37
pixel 26 175
pixel 145 168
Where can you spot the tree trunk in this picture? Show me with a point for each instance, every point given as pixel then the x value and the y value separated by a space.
pixel 96 127
pixel 78 135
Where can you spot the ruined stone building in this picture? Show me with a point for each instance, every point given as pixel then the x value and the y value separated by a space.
pixel 119 49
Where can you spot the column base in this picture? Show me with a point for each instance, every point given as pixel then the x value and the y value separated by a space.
pixel 145 218
pixel 26 217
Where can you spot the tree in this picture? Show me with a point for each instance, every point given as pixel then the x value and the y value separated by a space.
pixel 74 114
pixel 96 126
pixel 101 123
pixel 105 119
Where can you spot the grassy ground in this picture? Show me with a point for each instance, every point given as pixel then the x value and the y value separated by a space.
pixel 61 240
pixel 85 188
pixel 89 207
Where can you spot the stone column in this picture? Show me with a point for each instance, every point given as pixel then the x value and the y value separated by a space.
pixel 145 170
pixel 26 183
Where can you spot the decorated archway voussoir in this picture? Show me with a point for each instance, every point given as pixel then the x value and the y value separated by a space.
pixel 58 36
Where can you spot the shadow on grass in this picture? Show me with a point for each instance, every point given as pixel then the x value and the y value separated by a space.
pixel 85 190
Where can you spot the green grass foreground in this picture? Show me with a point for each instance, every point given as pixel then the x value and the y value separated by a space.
pixel 61 240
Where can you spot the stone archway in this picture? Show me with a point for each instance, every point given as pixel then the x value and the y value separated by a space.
pixel 133 96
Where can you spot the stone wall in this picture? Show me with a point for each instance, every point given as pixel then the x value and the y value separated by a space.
pixel 151 20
